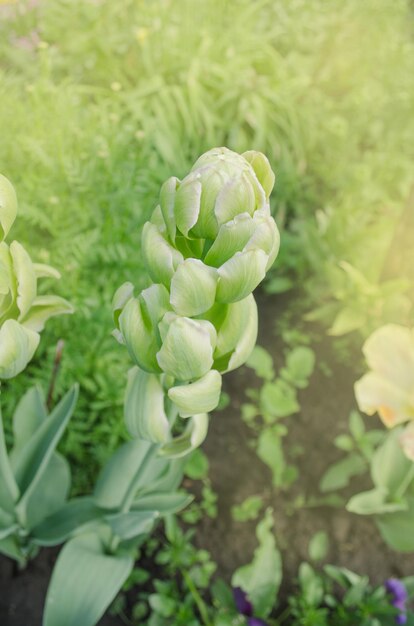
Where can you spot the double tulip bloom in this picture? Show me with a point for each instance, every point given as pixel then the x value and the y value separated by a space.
pixel 388 388
pixel 208 245
pixel 23 313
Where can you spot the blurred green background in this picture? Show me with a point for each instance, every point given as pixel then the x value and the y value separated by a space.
pixel 101 101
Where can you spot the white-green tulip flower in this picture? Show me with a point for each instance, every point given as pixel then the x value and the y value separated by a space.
pixel 208 245
pixel 23 313
pixel 388 387
pixel 8 206
pixel 17 347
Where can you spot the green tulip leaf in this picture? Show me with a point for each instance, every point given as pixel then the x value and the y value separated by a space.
pixel 84 582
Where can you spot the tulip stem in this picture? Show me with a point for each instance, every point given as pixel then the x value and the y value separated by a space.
pixel 55 371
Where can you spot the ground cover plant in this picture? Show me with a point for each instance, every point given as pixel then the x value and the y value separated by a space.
pixel 101 104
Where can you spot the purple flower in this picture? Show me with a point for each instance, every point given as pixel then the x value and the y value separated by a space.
pixel 245 607
pixel 399 597
pixel 255 621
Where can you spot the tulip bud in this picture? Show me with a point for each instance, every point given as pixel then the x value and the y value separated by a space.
pixel 208 245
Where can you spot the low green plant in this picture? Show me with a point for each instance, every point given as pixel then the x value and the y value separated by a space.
pixel 359 446
pixel 275 400
pixel 387 388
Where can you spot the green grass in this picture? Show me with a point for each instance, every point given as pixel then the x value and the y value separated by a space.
pixel 120 95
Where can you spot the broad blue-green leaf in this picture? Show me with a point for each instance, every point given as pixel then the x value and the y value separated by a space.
pixel 17 347
pixel 193 288
pixel 132 523
pixel 51 491
pixel 160 257
pixel 120 474
pixel 164 503
pixel 193 436
pixel 32 459
pixel 9 491
pixel 7 524
pixel 397 528
pixel 187 350
pixel 202 396
pixel 8 206
pixel 42 309
pixel 28 416
pixel 262 169
pixel 389 465
pixel 144 406
pixel 262 577
pixel 159 475
pixel 374 502
pixel 240 275
pixel 10 548
pixel 25 277
pixel 73 516
pixel 84 582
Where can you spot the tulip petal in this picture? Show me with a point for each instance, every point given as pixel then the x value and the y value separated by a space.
pixel 138 324
pixel 187 204
pixel 193 288
pixel 167 201
pixel 46 271
pixel 124 293
pixel 8 206
pixel 231 238
pixel 265 237
pixel 160 257
pixel 144 412
pixel 240 275
pixel 193 436
pixel 25 276
pixel 374 393
pixel 187 350
pixel 202 396
pixel 236 335
pixel 236 196
pixel 212 181
pixel 42 309
pixel 17 347
pixel 260 164
pixel 389 351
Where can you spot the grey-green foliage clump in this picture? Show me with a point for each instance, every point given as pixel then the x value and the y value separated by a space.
pixel 207 246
